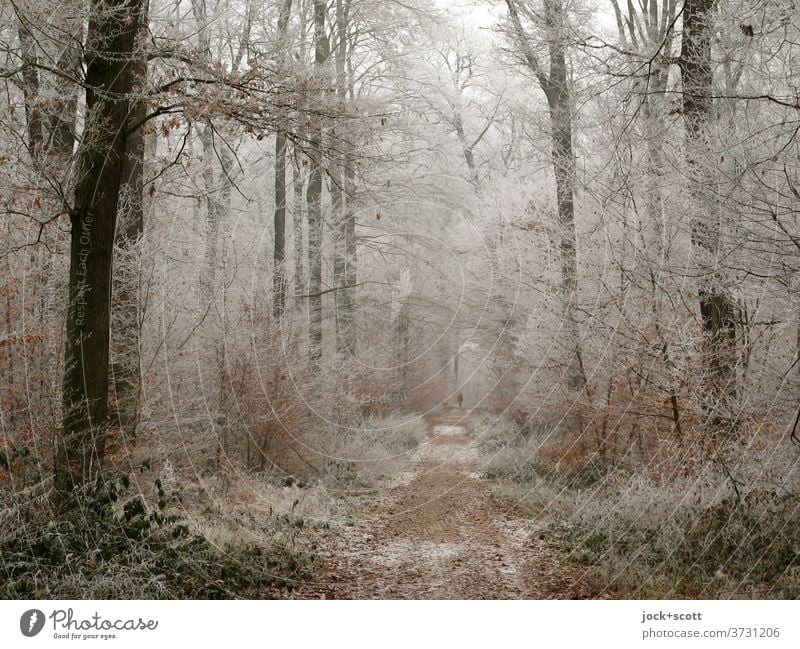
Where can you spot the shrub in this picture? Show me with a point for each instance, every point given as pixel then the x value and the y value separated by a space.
pixel 114 546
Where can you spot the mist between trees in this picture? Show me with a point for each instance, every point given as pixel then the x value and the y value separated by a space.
pixel 241 238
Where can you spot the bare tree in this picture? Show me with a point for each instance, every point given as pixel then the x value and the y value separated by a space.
pixel 126 317
pixel 279 253
pixel 717 307
pixel 646 36
pixel 50 108
pixel 101 159
pixel 556 87
pixel 314 191
pixel 341 189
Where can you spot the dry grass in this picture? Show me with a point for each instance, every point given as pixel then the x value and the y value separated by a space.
pixel 723 526
pixel 223 530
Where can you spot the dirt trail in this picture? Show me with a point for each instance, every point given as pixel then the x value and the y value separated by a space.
pixel 444 535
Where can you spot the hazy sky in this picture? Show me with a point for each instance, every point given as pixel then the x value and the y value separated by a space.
pixel 484 13
pixel 481 13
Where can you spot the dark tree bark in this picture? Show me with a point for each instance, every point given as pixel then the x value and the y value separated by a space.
pixel 279 220
pixel 108 60
pixel 468 151
pixel 63 116
pixel 717 307
pixel 30 87
pixel 404 340
pixel 125 330
pixel 279 253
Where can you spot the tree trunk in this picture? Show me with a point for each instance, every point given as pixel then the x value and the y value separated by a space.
pixel 314 196
pixel 564 168
pixel 298 217
pixel 214 212
pixel 299 176
pixel 279 222
pixel 717 308
pixel 125 329
pixel 657 36
pixel 350 246
pixel 339 254
pixel 279 253
pixel 555 86
pixel 403 338
pixel 30 87
pixel 62 112
pixel 109 50
pixel 340 200
pixel 218 188
pixel 559 100
pixel 51 121
pixel 469 156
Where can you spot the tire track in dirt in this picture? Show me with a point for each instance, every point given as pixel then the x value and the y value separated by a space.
pixel 444 535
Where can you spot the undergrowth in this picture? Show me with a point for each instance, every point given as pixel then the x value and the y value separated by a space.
pixel 368 454
pixel 199 530
pixel 718 531
pixel 116 546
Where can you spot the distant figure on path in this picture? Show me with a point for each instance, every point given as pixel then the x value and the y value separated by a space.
pixel 460 398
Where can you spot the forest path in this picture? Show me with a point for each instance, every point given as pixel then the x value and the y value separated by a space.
pixel 443 534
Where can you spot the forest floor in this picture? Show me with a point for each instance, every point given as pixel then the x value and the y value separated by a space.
pixel 442 533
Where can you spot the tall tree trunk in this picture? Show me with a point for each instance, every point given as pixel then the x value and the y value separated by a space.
pixel 648 32
pixel 212 309
pixel 559 101
pixel 216 205
pixel 403 339
pixel 51 121
pixel 109 50
pixel 343 303
pixel 339 253
pixel 654 200
pixel 62 112
pixel 298 216
pixel 279 252
pixel 298 173
pixel 314 194
pixel 279 222
pixel 555 85
pixel 30 86
pixel 125 330
pixel 215 209
pixel 467 150
pixel 63 116
pixel 717 308
pixel 350 246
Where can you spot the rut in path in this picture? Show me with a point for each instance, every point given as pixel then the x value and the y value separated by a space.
pixel 444 535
